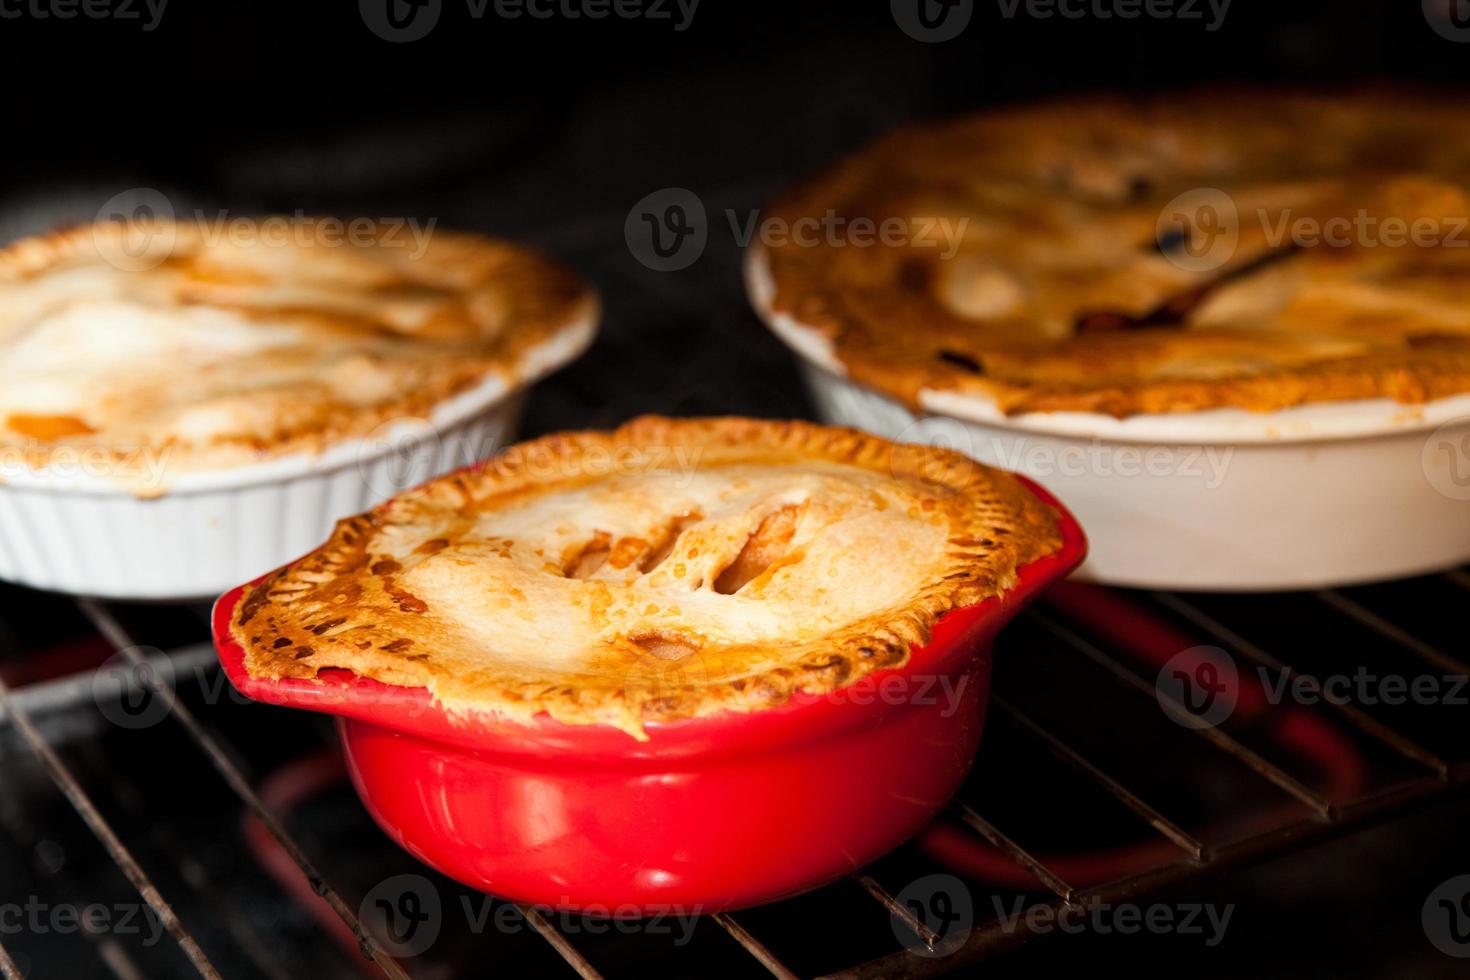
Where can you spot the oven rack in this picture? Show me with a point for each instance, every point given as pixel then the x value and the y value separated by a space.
pixel 1434 774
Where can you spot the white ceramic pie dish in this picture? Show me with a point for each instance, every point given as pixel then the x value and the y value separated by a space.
pixel 78 532
pixel 1227 500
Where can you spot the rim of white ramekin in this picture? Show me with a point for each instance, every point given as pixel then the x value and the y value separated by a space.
pixel 1355 419
pixel 537 362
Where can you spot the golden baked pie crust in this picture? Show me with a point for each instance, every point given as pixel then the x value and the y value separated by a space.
pixel 485 303
pixel 350 604
pixel 1061 202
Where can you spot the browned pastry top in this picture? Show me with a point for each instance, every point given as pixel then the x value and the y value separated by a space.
pixel 213 348
pixel 665 570
pixel 1249 249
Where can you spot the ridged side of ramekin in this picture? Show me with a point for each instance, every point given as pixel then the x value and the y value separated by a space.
pixel 196 544
pixel 213 529
pixel 1223 501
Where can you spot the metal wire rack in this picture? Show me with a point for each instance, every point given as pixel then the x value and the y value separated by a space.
pixel 1074 636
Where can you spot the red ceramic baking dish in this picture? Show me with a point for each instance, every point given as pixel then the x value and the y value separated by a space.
pixel 709 814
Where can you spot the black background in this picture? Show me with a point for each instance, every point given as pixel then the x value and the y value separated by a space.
pixel 205 99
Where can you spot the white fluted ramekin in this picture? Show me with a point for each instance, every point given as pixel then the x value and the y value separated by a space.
pixel 86 534
pixel 1222 500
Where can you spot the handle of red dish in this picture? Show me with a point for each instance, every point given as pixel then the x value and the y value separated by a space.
pixel 333 691
pixel 1042 572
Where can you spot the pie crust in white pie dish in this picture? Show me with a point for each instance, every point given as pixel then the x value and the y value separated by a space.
pixel 1325 494
pixel 191 412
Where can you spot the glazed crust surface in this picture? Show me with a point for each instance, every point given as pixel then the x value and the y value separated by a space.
pixel 665 570
pixel 176 347
pixel 1247 249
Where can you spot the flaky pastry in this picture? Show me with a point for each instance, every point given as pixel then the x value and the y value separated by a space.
pixel 665 570
pixel 214 347
pixel 1255 250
